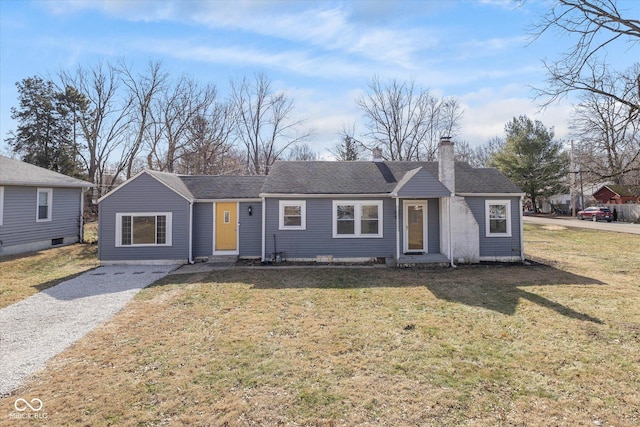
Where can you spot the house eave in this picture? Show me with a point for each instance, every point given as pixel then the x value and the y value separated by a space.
pixel 124 184
pixel 16 183
pixel 322 196
pixel 236 199
pixel 491 194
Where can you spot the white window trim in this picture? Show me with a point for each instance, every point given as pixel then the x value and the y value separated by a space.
pixel 1 204
pixel 357 204
pixel 49 192
pixel 487 204
pixel 168 215
pixel 303 213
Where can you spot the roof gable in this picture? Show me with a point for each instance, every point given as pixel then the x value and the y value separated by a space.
pixel 169 180
pixel 16 172
pixel 622 190
pixel 417 182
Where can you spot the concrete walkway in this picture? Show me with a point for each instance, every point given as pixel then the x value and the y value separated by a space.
pixel 38 328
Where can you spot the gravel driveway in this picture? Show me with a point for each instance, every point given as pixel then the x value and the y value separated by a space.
pixel 36 329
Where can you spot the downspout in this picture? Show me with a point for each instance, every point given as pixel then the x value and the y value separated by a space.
pixel 397 230
pixel 264 213
pixel 191 232
pixel 81 234
pixel 521 230
pixel 453 265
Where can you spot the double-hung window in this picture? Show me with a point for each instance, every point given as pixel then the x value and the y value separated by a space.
pixel 357 218
pixel 143 229
pixel 498 218
pixel 44 203
pixel 293 215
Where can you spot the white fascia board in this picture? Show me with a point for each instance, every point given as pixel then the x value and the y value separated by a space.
pixel 491 194
pixel 133 178
pixel 254 199
pixel 14 183
pixel 321 196
pixel 120 186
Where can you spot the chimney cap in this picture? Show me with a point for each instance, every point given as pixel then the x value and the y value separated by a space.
pixel 446 140
pixel 377 154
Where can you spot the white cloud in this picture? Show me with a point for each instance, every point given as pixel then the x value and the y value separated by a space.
pixel 488 111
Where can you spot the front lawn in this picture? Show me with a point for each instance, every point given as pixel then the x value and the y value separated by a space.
pixel 548 345
pixel 26 274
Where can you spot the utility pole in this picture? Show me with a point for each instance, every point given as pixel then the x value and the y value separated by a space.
pixel 572 183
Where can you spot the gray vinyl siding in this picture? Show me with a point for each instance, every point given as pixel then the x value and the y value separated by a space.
pixel 497 246
pixel 19 224
pixel 250 229
pixel 318 239
pixel 433 225
pixel 423 184
pixel 203 229
pixel 143 194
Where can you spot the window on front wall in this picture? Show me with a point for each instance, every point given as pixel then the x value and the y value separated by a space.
pixel 357 218
pixel 498 218
pixel 293 215
pixel 143 229
pixel 44 204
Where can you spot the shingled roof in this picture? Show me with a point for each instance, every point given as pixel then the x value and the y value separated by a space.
pixel 365 177
pixel 625 190
pixel 15 172
pixel 223 186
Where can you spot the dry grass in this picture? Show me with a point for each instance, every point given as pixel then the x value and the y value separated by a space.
pixel 521 345
pixel 26 274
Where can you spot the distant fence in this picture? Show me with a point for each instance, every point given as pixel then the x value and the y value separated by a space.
pixel 626 212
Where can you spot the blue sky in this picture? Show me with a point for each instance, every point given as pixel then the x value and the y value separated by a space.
pixel 321 53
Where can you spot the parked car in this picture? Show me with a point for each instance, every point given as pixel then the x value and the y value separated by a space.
pixel 595 213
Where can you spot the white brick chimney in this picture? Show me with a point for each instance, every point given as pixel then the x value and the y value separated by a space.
pixel 446 164
pixel 377 154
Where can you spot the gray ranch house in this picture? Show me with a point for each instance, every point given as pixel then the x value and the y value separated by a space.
pixel 408 212
pixel 39 208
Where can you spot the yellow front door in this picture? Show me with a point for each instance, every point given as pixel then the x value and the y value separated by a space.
pixel 226 226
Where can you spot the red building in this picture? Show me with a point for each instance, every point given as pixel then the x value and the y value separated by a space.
pixel 618 194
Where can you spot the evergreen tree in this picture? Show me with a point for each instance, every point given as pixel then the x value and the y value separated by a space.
pixel 44 134
pixel 532 159
pixel 348 149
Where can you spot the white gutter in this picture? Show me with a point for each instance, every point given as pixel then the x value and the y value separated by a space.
pixel 491 194
pixel 397 230
pixel 324 196
pixel 191 233
pixel 264 213
pixel 82 190
pixel 453 265
pixel 521 230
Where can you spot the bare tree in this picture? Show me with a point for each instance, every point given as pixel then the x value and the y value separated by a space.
pixel 173 112
pixel 209 150
pixel 596 24
pixel 607 131
pixel 302 152
pixel 406 122
pixel 348 148
pixel 143 88
pixel 480 156
pixel 265 122
pixel 103 126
